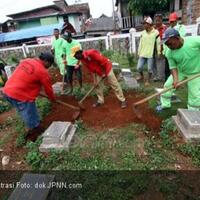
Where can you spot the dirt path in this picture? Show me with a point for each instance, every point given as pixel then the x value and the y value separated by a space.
pixel 4 116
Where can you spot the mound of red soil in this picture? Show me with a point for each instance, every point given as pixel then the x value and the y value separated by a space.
pixel 110 115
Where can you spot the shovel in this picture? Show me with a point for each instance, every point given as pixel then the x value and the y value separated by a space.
pixel 88 93
pixel 135 105
pixel 76 113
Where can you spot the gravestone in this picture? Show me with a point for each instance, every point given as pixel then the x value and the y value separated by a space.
pixel 188 123
pixel 58 136
pixel 115 66
pixel 9 70
pixel 57 87
pixel 28 187
pixel 128 78
pixel 174 98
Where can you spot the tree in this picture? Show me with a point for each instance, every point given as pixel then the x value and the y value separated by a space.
pixel 147 7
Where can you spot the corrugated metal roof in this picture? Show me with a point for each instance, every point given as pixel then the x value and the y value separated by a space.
pixel 2 35
pixel 29 33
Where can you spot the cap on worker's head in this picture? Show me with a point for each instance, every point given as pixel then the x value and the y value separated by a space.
pixel 67 35
pixel 173 17
pixel 170 32
pixel 74 50
pixel 148 20
pixel 46 56
pixel 77 52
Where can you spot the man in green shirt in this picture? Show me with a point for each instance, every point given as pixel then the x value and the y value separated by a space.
pixel 183 57
pixel 57 50
pixel 70 46
pixel 3 77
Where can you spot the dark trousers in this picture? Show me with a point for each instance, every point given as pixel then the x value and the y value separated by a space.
pixel 70 71
pixel 167 70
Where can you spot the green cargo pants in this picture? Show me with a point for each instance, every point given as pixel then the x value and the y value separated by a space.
pixel 193 93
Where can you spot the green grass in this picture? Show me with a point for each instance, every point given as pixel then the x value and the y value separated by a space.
pixel 124 60
pixel 102 153
pixel 193 151
pixel 115 149
pixel 7 129
pixel 4 106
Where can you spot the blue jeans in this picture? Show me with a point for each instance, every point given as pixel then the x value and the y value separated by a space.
pixel 27 111
pixel 142 61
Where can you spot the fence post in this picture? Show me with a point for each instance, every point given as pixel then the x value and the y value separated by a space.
pixel 107 42
pixel 25 50
pixel 132 40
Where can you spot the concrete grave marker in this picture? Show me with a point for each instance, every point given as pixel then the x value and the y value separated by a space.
pixel 28 188
pixel 58 136
pixel 188 123
pixel 57 87
pixel 115 66
pixel 128 78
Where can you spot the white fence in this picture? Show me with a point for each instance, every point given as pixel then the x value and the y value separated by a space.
pixel 126 43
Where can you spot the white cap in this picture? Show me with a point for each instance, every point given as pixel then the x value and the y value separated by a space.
pixel 148 20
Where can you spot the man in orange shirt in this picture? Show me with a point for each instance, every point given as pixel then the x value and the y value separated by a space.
pixel 24 86
pixel 101 67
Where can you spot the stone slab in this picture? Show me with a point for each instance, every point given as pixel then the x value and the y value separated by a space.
pixel 190 119
pixel 57 132
pixel 115 66
pixel 131 82
pixel 57 87
pixel 188 124
pixel 128 78
pixel 33 192
pixel 188 137
pixel 126 72
pixel 9 70
pixel 61 140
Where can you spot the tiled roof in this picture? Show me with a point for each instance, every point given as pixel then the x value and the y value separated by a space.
pixel 101 24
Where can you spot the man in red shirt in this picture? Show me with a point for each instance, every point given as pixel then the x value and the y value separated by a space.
pixel 101 67
pixel 24 86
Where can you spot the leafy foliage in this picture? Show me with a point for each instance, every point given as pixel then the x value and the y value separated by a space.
pixel 34 157
pixel 20 140
pixel 193 151
pixel 44 106
pixel 148 7
pixel 167 128
pixel 4 106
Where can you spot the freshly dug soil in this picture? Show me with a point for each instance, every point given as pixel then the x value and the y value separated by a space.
pixel 109 115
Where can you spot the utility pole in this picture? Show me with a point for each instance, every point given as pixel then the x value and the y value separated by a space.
pixel 114 20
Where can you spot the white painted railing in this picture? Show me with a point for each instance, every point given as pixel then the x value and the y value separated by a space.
pixel 107 40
